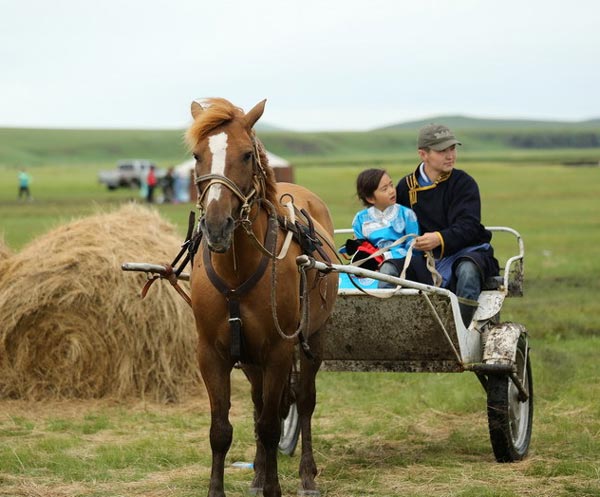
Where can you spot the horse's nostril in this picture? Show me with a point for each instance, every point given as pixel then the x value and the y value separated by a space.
pixel 229 224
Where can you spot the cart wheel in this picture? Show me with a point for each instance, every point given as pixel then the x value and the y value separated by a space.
pixel 290 431
pixel 509 419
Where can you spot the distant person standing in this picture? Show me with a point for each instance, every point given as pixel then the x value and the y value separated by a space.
pixel 169 185
pixel 24 181
pixel 151 182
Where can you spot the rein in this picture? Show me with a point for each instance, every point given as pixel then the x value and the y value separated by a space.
pixel 435 275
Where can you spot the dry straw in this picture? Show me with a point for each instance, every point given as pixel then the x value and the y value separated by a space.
pixel 72 323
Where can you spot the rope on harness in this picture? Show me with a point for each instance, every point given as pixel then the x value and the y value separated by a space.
pixel 304 306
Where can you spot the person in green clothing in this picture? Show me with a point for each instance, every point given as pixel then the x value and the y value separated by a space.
pixel 24 181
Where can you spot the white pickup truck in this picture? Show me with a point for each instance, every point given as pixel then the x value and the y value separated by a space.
pixel 130 173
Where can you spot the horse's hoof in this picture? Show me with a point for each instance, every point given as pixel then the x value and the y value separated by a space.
pixel 255 491
pixel 308 493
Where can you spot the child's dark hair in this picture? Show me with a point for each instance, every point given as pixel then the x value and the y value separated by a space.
pixel 366 184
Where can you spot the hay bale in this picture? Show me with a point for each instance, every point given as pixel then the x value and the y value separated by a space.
pixel 72 323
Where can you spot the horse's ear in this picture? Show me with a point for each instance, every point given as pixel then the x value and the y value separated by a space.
pixel 254 114
pixel 196 109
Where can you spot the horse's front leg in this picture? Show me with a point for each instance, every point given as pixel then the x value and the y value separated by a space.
pixel 216 374
pixel 306 399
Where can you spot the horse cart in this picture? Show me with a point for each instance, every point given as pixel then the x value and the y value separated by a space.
pixel 418 328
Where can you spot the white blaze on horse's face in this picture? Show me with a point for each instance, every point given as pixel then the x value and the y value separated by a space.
pixel 218 147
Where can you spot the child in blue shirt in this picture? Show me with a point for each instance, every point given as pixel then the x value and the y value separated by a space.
pixel 383 221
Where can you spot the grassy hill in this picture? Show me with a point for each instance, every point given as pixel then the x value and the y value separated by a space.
pixel 33 147
pixel 102 148
pixel 263 126
pixel 465 122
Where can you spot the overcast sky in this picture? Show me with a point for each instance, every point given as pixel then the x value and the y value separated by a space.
pixel 322 64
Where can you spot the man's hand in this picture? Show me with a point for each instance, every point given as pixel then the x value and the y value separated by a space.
pixel 428 241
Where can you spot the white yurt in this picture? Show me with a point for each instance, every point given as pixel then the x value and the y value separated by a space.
pixel 184 184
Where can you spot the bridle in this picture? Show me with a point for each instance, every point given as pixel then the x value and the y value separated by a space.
pixel 256 193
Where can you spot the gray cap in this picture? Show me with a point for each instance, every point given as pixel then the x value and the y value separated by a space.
pixel 437 137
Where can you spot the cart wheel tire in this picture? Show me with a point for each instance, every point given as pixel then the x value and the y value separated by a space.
pixel 509 419
pixel 290 431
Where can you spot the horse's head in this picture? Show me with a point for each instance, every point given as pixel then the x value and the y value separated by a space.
pixel 230 167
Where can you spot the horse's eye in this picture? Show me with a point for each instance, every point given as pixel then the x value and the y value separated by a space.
pixel 247 156
pixel 196 157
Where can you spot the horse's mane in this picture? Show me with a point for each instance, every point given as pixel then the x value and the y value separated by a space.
pixel 218 111
pixel 270 186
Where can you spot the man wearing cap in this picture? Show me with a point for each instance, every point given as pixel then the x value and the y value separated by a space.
pixel 448 208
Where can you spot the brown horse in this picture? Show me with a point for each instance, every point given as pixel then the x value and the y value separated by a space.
pixel 246 290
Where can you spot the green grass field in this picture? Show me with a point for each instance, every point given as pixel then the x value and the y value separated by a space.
pixel 375 434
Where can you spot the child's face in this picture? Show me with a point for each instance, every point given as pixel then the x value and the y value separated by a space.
pixel 384 195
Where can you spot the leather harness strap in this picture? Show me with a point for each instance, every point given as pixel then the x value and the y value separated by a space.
pixel 305 235
pixel 233 295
